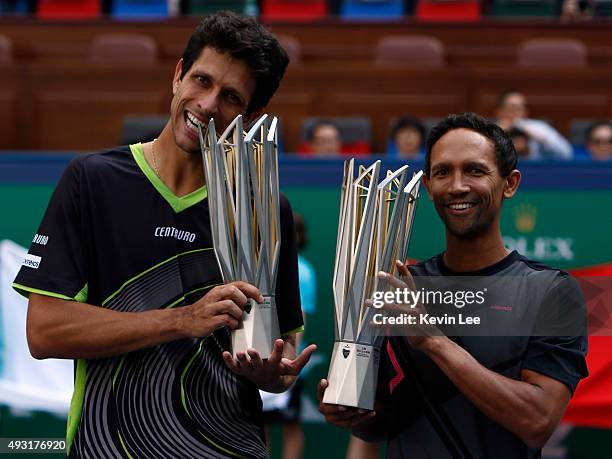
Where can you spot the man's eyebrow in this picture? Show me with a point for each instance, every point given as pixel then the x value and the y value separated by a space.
pixel 439 165
pixel 204 73
pixel 480 164
pixel 443 164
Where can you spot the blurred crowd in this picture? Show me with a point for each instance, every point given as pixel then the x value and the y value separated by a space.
pixel 534 139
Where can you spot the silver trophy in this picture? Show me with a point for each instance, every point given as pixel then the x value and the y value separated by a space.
pixel 374 230
pixel 241 171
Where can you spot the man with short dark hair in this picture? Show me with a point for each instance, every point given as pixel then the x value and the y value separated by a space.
pixel 128 285
pixel 489 393
pixel 408 135
pixel 324 138
pixel 599 141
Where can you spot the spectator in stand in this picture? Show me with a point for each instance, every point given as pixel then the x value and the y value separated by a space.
pixel 520 140
pixel 599 141
pixel 545 142
pixel 577 10
pixel 324 138
pixel 408 135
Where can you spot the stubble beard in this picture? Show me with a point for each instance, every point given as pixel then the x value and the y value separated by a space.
pixel 477 225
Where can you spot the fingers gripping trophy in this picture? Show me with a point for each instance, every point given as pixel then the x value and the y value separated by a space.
pixel 241 171
pixel 374 230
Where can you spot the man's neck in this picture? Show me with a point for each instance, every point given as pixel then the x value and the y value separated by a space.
pixel 181 171
pixel 467 255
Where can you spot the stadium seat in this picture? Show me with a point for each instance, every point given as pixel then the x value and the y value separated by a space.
pixel 579 127
pixel 294 9
pixel 139 9
pixel 198 7
pixel 123 49
pixel 448 10
pixel 141 128
pixel 292 47
pixel 602 8
pixel 356 133
pixel 557 52
pixel 372 9
pixel 414 50
pixel 524 8
pixel 577 136
pixel 68 9
pixel 6 50
pixel 8 7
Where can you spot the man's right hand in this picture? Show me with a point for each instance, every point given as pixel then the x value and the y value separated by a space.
pixel 339 415
pixel 221 307
pixel 67 329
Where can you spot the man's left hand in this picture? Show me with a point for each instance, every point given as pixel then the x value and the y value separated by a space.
pixel 267 373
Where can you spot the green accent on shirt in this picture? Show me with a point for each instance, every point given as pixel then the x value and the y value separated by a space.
pixel 124 447
pixel 129 281
pixel 24 290
pixel 184 374
pixel 300 329
pixel 177 203
pixel 76 404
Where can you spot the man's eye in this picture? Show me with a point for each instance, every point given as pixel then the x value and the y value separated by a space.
pixel 234 99
pixel 202 79
pixel 440 172
pixel 476 171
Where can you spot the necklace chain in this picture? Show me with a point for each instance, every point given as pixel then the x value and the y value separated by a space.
pixel 154 157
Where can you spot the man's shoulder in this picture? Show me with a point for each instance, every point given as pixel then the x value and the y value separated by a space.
pixel 515 264
pixel 536 266
pixel 90 167
pixel 429 267
pixel 103 158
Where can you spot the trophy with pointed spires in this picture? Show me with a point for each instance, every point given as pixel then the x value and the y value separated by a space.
pixel 241 171
pixel 373 231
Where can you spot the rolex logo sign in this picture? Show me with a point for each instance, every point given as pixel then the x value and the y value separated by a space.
pixel 346 350
pixel 525 218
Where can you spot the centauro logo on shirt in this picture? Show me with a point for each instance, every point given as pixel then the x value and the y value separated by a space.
pixel 31 261
pixel 169 231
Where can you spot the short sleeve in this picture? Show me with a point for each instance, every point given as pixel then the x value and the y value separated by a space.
pixel 561 356
pixel 287 283
pixel 55 264
pixel 308 286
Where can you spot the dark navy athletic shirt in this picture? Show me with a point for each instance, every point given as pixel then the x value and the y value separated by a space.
pixel 428 416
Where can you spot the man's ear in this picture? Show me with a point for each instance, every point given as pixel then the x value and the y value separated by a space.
pixel 177 75
pixel 427 186
pixel 512 183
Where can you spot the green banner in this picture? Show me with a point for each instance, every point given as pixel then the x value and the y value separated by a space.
pixel 567 229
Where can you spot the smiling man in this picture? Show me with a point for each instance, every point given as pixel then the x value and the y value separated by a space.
pixel 486 394
pixel 126 281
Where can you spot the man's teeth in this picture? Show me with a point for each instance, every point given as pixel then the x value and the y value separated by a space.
pixel 461 206
pixel 193 122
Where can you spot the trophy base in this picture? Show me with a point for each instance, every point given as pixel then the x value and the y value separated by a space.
pixel 259 328
pixel 353 375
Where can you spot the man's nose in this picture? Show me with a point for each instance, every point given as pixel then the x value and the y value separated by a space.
pixel 208 103
pixel 458 184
